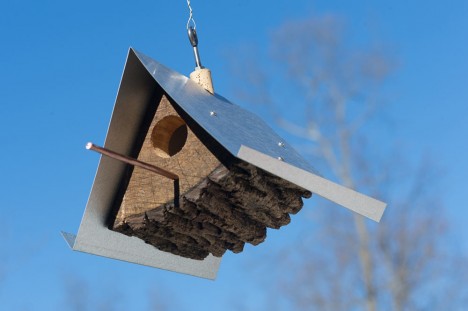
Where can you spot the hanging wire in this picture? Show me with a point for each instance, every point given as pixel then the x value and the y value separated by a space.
pixel 191 22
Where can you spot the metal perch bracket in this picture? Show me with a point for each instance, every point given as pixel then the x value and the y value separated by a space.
pixel 137 163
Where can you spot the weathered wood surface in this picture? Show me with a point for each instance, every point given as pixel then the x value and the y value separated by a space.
pixel 224 211
pixel 218 209
pixel 192 164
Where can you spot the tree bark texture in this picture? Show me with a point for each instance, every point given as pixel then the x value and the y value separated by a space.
pixel 229 208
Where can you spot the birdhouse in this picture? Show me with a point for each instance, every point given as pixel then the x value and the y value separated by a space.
pixel 197 176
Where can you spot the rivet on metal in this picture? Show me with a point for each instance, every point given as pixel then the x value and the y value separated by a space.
pixel 280 158
pixel 281 144
pixel 213 113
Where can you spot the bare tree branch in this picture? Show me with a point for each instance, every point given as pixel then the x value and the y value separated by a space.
pixel 352 264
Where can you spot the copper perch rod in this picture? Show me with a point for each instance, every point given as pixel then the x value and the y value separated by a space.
pixel 131 161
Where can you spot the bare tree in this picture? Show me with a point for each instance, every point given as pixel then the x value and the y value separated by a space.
pixel 352 264
pixel 81 295
pixel 158 301
pixel 77 294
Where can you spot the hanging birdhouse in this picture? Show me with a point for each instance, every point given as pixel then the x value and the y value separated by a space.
pixel 187 175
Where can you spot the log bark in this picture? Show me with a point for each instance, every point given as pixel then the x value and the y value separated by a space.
pixel 227 209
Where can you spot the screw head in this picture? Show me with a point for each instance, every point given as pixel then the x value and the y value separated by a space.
pixel 281 158
pixel 213 113
pixel 281 144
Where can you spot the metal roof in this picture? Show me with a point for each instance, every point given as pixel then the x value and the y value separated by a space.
pixel 226 122
pixel 241 133
pixel 249 138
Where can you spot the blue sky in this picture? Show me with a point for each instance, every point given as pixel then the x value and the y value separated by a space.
pixel 60 67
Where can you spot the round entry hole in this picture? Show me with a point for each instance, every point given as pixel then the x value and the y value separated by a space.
pixel 169 136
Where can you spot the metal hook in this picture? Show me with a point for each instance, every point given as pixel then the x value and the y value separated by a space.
pixel 192 35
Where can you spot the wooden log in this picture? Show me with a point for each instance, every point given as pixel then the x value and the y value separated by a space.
pixel 164 239
pixel 227 209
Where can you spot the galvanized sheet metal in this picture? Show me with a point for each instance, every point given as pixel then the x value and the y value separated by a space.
pixel 355 201
pixel 240 132
pixel 249 138
pixel 136 92
pixel 227 123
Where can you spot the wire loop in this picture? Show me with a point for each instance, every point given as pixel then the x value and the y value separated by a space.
pixel 191 21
